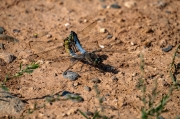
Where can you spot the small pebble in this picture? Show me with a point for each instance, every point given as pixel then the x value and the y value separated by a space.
pixel 102 30
pixel 67 24
pixel 16 30
pixel 87 88
pixel 129 4
pixel 115 6
pixel 85 20
pixel 107 95
pixel 71 111
pixel 161 4
pixel 48 35
pixel 8 58
pixel 132 43
pixel 134 74
pixel 70 75
pixel 161 117
pixel 75 84
pixel 104 6
pixel 96 80
pixel 109 36
pixel 65 93
pixel 114 78
pixel 101 46
pixel 2 30
pixel 167 49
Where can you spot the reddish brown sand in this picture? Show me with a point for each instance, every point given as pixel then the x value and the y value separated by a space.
pixel 147 27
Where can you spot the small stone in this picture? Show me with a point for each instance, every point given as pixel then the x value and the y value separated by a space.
pixel 67 24
pixel 162 43
pixel 132 43
pixel 161 117
pixel 87 88
pixel 65 93
pixel 161 4
pixel 96 80
pixel 85 20
pixel 10 105
pixel 115 6
pixel 16 30
pixel 64 114
pixel 75 84
pixel 101 46
pixel 129 4
pixel 48 35
pixel 167 49
pixel 70 75
pixel 8 58
pixel 114 78
pixel 2 30
pixel 102 30
pixel 104 6
pixel 109 36
pixel 71 111
pixel 134 74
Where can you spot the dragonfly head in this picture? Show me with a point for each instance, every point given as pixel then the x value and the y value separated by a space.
pixel 72 35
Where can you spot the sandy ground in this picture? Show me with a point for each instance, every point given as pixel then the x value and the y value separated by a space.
pixel 144 26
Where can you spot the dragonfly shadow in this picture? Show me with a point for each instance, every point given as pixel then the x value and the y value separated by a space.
pixel 102 67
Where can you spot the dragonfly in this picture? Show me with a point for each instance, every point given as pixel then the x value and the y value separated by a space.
pixel 72 46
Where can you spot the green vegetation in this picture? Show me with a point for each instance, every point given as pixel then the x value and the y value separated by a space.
pixel 150 108
pixel 28 69
pixel 96 113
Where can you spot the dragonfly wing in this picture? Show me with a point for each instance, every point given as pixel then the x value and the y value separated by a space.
pixel 111 50
pixel 41 45
pixel 49 54
pixel 87 29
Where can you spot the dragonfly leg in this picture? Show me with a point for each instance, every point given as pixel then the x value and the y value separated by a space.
pixel 71 66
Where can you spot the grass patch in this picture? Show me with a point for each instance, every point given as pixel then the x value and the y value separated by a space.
pixel 28 69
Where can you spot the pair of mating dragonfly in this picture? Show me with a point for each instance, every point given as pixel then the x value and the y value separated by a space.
pixel 72 45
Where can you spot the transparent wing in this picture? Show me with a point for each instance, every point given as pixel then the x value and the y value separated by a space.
pixel 42 45
pixel 87 29
pixel 49 54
